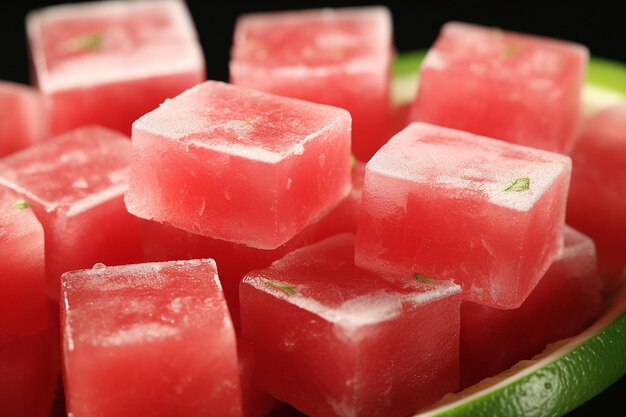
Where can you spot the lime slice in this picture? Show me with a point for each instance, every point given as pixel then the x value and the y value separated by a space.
pixel 605 86
pixel 564 376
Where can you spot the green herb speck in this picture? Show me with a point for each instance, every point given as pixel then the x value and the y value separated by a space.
pixel 278 285
pixel 520 184
pixel 352 161
pixel 87 42
pixel 21 204
pixel 423 278
pixel 510 51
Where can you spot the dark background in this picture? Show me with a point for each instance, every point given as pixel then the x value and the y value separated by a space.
pixel 599 25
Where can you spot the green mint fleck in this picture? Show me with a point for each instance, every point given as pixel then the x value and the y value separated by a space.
pixel 496 33
pixel 510 51
pixel 352 161
pixel 87 42
pixel 423 278
pixel 283 287
pixel 21 204
pixel 248 122
pixel 520 184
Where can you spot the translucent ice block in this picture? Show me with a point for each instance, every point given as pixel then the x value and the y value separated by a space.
pixel 22 117
pixel 110 62
pixel 22 280
pixel 340 57
pixel 75 185
pixel 334 340
pixel 148 340
pixel 452 205
pixel 515 87
pixel 596 204
pixel 239 165
pixel 566 299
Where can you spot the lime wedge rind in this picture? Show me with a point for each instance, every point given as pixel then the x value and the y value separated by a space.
pixel 606 73
pixel 564 376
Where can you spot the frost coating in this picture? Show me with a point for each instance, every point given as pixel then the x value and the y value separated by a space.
pixel 465 163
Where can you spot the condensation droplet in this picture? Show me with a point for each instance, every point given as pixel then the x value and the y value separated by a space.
pixel 99 266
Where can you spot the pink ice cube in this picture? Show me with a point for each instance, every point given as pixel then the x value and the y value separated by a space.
pixel 239 165
pixel 110 62
pixel 520 88
pixel 566 299
pixel 165 243
pixel 332 339
pixel 448 204
pixel 22 117
pixel 148 340
pixel 339 57
pixel 596 203
pixel 22 280
pixel 75 184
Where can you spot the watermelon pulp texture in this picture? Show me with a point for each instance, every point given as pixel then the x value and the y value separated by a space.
pixel 596 202
pixel 519 88
pixel 435 198
pixel 109 63
pixel 239 165
pixel 339 57
pixel 254 402
pixel 321 331
pixel 566 299
pixel 162 242
pixel 22 277
pixel 29 369
pixel 170 345
pixel 22 117
pixel 75 185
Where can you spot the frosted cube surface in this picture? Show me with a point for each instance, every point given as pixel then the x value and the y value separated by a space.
pixel 75 185
pixel 326 333
pixel 110 62
pixel 567 299
pixel 169 345
pixel 239 165
pixel 340 57
pixel 519 88
pixel 452 205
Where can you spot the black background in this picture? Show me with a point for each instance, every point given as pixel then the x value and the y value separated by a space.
pixel 599 25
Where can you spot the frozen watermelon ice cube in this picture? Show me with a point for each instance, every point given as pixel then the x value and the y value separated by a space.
pixel 566 299
pixel 596 203
pixel 516 87
pixel 239 165
pixel 162 242
pixel 75 185
pixel 110 62
pixel 448 204
pixel 332 339
pixel 339 57
pixel 22 279
pixel 22 117
pixel 148 340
